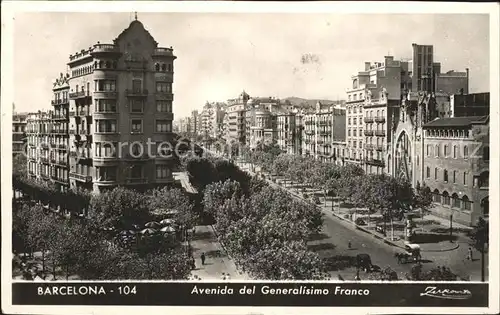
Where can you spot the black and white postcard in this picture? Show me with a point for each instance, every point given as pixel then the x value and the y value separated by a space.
pixel 235 157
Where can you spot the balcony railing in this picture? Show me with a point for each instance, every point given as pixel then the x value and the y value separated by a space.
pixel 80 177
pixel 309 132
pixel 368 132
pixel 369 146
pixel 380 133
pixel 72 114
pixel 380 119
pixel 62 162
pixel 77 95
pixel 375 162
pixel 368 119
pixel 136 92
pixel 44 160
pixel 137 180
pixel 105 48
pixel 380 147
pixel 44 145
pixel 163 52
pixel 72 132
pixel 84 131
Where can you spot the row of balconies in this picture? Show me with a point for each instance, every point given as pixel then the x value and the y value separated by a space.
pixel 378 133
pixel 379 119
pixel 377 147
pixel 60 101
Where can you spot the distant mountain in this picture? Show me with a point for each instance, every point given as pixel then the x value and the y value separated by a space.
pixel 303 102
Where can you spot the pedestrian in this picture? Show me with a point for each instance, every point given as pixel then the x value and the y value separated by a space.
pixel 223 276
pixel 469 254
pixel 349 245
pixel 357 278
pixel 228 277
pixel 202 258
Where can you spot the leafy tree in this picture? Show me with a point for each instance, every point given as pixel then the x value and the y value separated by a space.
pixel 387 274
pixel 480 238
pixel 40 231
pixel 423 198
pixel 161 201
pixel 216 194
pixel 201 172
pixel 19 165
pixel 120 208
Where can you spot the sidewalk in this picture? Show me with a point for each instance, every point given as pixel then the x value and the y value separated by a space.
pixel 217 261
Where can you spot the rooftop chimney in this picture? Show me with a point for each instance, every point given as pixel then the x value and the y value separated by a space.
pixel 367 66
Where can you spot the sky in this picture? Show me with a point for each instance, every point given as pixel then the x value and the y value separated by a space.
pixel 272 54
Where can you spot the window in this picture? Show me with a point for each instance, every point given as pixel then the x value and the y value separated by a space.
pixel 455 151
pixel 484 179
pixel 349 132
pixel 137 86
pixel 437 150
pixel 157 66
pixel 106 173
pixel 105 125
pixel 428 172
pixel 446 198
pixel 163 126
pixel 163 106
pixel 106 106
pixel 465 179
pixel 163 67
pixel 349 121
pixel 454 177
pixel 135 171
pixel 466 152
pixel 435 173
pixel 445 175
pixel 163 87
pixel 136 106
pixel 169 67
pixel 446 150
pixel 429 150
pixel 486 153
pixel 162 172
pixel 354 132
pixel 456 201
pixel 136 126
pixel 106 149
pixel 466 203
pixel 106 85
pixel 355 121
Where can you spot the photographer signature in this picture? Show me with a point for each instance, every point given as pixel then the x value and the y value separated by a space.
pixel 447 293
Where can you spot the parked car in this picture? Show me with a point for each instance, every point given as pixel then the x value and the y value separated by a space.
pixel 360 221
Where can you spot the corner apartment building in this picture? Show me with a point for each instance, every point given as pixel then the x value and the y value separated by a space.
pixel 212 118
pixel 115 105
pixel 234 119
pixel 261 120
pixel 474 104
pixel 19 133
pixel 456 167
pixel 324 133
pixel 289 130
pixel 193 121
pixel 48 139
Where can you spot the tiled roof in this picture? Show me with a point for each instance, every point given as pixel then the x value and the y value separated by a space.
pixel 456 121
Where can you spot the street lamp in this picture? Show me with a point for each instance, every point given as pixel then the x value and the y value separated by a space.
pixel 451 228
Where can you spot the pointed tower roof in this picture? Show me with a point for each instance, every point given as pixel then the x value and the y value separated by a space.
pixel 135 23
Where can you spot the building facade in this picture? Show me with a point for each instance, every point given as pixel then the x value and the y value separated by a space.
pixel 449 155
pixel 19 140
pixel 474 104
pixel 234 119
pixel 112 114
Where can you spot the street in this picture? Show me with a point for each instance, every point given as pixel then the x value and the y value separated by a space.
pixel 336 234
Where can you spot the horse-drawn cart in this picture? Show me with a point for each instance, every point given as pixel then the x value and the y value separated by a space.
pixel 412 254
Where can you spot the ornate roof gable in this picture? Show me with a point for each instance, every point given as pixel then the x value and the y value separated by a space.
pixel 135 23
pixel 62 80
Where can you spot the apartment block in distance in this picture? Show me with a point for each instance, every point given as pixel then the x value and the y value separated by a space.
pixel 120 100
pixel 18 133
